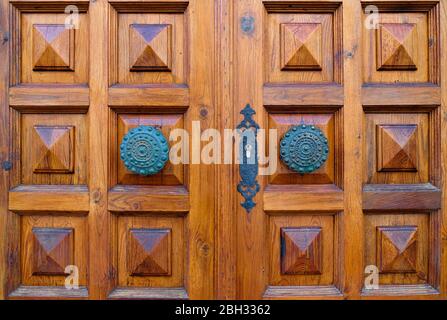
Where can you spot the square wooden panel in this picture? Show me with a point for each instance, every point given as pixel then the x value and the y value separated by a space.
pixel 52 53
pixel 397 148
pixel 53 47
pixel 302 250
pixel 53 149
pixel 171 174
pixel 52 250
pixel 50 244
pixel 398 244
pixel 397 249
pixel 398 50
pixel 151 49
pixel 299 48
pixel 150 251
pixel 326 123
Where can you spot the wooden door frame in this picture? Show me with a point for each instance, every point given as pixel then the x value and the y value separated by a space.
pixel 5 215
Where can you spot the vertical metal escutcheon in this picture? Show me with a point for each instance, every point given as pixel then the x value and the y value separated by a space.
pixel 248 187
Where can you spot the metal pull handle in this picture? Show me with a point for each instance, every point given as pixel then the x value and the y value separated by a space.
pixel 144 150
pixel 248 187
pixel 304 149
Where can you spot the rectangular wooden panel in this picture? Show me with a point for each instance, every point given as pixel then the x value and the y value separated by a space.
pixel 149 199
pixel 49 199
pixel 303 198
pixel 401 197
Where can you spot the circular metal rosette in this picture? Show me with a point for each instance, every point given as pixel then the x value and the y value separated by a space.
pixel 144 150
pixel 304 149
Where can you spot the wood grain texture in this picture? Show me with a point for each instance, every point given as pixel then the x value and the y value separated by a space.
pixel 299 95
pixel 120 96
pixel 303 292
pixel 411 292
pixel 149 294
pixel 8 240
pixel 302 198
pixel 46 96
pixel 45 293
pixel 101 277
pixel 149 199
pixel 400 95
pixel 401 197
pixel 351 245
pixel 442 164
pixel 48 198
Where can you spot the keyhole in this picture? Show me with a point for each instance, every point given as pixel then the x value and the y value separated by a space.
pixel 248 149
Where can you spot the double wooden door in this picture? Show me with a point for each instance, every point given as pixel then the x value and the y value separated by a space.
pixel 344 200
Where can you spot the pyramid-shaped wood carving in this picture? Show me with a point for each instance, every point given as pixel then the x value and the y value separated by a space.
pixel 149 252
pixel 301 250
pixel 397 148
pixel 150 47
pixel 53 149
pixel 397 46
pixel 53 47
pixel 301 47
pixel 397 249
pixel 52 250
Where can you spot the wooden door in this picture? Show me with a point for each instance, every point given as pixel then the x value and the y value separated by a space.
pixel 366 89
pixel 82 75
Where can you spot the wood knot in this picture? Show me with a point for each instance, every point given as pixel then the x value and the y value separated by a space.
pixel 97 196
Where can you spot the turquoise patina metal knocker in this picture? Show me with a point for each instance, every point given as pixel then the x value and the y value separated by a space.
pixel 144 150
pixel 304 149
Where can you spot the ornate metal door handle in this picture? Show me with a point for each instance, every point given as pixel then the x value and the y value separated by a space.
pixel 144 150
pixel 304 148
pixel 248 187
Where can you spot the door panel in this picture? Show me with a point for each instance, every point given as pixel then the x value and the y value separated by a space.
pixel 374 202
pixel 72 200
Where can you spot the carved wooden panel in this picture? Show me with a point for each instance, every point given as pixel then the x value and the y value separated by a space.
pixel 53 250
pixel 172 174
pixel 53 47
pixel 397 249
pixel 399 245
pixel 397 46
pixel 326 123
pixel 150 47
pixel 149 252
pixel 53 149
pixel 47 45
pixel 399 49
pixel 301 250
pixel 50 243
pixel 301 46
pixel 397 148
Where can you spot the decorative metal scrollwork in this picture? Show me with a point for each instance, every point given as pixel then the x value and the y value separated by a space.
pixel 304 149
pixel 248 187
pixel 144 150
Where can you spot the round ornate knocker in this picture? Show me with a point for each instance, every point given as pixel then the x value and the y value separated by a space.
pixel 304 149
pixel 144 150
